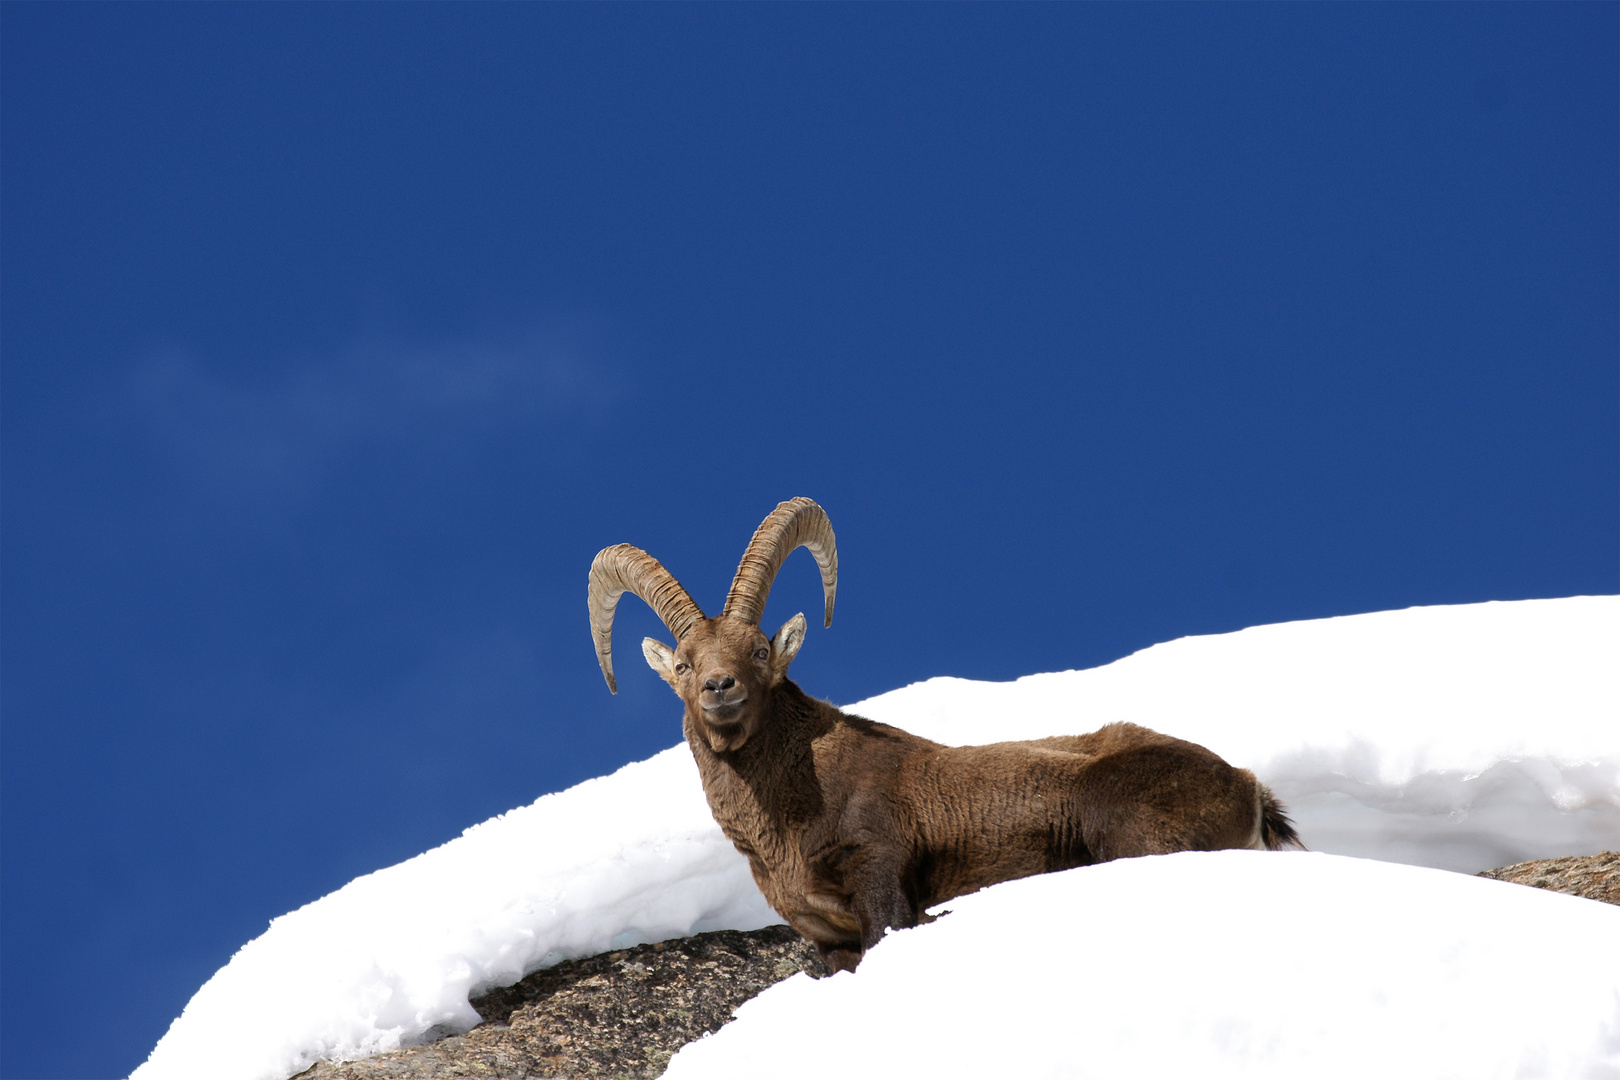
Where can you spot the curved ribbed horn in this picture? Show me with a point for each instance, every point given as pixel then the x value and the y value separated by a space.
pixel 626 568
pixel 793 524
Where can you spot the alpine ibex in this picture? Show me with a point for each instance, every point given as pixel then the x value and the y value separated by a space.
pixel 851 826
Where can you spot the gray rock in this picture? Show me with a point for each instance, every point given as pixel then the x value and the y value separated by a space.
pixel 619 1014
pixel 1596 877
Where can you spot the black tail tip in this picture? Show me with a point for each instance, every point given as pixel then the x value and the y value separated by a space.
pixel 1276 830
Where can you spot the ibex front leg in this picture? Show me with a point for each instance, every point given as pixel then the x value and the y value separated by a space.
pixel 872 875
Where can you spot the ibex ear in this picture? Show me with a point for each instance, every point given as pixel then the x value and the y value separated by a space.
pixel 660 657
pixel 785 646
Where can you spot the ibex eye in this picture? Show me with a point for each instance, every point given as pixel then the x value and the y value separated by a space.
pixel 762 654
pixel 680 669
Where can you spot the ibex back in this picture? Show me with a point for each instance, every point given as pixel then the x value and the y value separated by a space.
pixel 851 826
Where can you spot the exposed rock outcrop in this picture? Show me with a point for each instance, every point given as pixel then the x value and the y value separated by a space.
pixel 618 1014
pixel 1596 877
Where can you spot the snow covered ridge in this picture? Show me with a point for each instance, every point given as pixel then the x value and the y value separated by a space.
pixel 1459 737
pixel 1242 964
pixel 1462 737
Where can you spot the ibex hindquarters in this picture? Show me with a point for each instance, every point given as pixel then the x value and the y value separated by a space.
pixel 1153 800
pixel 984 814
pixel 852 827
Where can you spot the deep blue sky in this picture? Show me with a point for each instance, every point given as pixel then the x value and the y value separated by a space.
pixel 337 339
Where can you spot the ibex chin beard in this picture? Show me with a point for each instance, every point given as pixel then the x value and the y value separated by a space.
pixel 723 738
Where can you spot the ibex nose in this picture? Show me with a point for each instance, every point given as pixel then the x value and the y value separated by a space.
pixel 720 684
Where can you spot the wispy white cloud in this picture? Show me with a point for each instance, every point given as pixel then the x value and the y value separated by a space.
pixel 282 423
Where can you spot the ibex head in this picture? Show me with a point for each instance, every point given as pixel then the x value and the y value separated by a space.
pixel 723 668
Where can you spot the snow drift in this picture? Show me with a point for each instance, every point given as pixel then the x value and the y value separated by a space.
pixel 1241 964
pixel 1458 737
